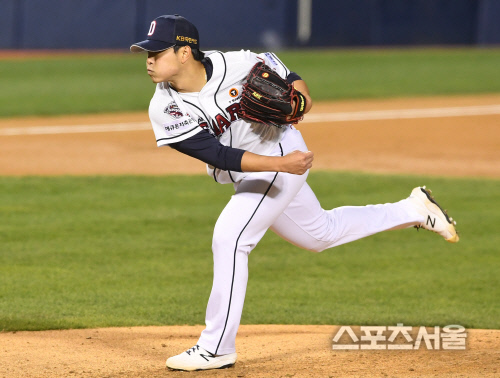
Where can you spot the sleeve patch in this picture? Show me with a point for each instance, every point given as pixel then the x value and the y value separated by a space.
pixel 178 125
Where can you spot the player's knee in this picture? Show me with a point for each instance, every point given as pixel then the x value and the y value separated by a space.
pixel 223 247
pixel 218 242
pixel 317 248
pixel 227 243
pixel 319 245
pixel 223 241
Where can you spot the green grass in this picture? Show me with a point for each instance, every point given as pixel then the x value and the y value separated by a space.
pixel 79 84
pixel 82 252
pixel 115 83
pixel 397 73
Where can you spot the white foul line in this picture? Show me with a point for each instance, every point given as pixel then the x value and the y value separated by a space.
pixel 371 115
pixel 403 114
pixel 40 130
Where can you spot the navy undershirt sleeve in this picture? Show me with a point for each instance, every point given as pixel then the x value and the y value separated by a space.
pixel 292 77
pixel 205 147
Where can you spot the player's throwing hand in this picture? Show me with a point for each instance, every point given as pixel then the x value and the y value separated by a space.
pixel 297 162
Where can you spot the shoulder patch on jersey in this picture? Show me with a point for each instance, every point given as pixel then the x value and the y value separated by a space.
pixel 173 110
pixel 271 58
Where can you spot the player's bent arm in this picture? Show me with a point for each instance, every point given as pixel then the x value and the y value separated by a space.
pixel 205 147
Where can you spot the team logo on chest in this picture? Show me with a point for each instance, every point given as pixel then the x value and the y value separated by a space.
pixel 173 110
pixel 233 92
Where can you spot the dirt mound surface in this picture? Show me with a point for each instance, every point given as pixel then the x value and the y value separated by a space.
pixel 263 351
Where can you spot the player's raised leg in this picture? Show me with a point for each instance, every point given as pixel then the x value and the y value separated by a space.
pixel 306 224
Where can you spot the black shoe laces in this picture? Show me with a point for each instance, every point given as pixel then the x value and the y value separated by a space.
pixel 193 349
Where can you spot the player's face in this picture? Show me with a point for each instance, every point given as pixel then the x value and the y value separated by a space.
pixel 162 66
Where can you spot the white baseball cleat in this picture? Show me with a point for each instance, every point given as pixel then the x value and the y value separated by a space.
pixel 436 219
pixel 197 358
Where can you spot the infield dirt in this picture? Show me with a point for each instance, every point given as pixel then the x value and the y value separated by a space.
pixel 263 351
pixel 447 146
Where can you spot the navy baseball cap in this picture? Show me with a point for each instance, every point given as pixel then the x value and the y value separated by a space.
pixel 167 31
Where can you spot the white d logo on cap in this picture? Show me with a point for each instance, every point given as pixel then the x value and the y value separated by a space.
pixel 152 28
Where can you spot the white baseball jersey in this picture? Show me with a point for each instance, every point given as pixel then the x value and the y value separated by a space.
pixel 178 116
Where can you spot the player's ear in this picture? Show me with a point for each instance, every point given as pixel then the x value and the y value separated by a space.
pixel 185 53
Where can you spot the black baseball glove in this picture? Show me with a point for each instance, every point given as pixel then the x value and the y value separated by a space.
pixel 270 99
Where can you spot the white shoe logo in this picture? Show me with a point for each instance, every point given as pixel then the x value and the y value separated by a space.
pixel 429 220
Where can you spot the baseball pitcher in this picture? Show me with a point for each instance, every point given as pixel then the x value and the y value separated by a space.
pixel 235 111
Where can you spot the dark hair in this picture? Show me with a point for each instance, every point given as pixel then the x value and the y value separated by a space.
pixel 197 54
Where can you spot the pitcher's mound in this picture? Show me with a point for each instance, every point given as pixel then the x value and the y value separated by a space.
pixel 263 351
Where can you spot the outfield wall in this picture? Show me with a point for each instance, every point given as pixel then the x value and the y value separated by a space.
pixel 101 24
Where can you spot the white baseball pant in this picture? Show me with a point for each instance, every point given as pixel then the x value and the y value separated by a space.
pixel 286 204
